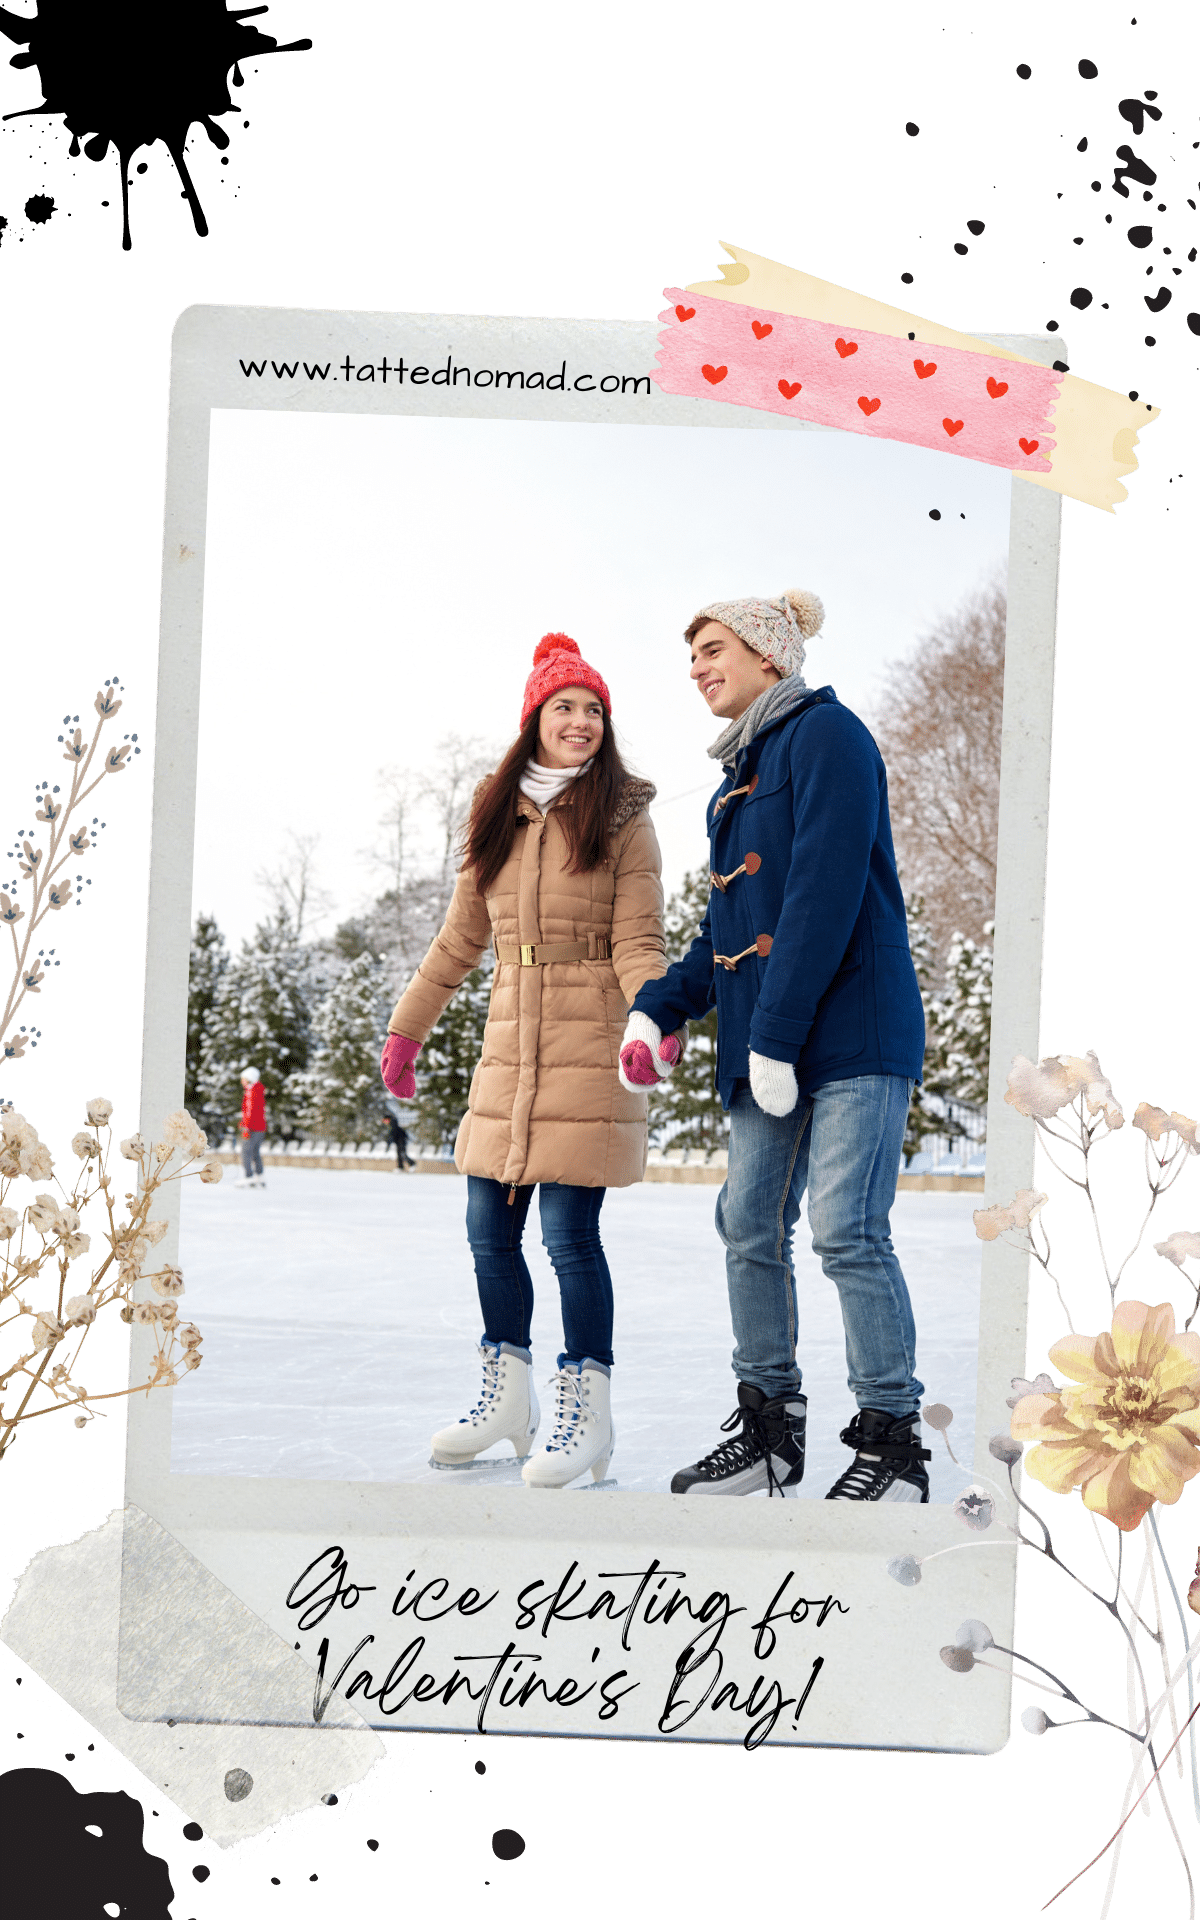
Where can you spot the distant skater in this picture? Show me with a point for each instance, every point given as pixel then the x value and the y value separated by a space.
pixel 254 1129
pixel 397 1132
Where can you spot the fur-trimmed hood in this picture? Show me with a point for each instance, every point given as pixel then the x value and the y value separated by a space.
pixel 635 797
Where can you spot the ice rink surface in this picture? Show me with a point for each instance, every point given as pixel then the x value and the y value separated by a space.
pixel 340 1323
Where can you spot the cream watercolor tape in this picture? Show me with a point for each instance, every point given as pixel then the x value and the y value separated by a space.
pixel 1095 429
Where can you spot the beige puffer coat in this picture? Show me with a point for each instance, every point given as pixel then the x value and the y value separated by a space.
pixel 545 1100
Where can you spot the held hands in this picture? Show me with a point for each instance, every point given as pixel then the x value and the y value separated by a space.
pixel 396 1065
pixel 646 1057
pixel 773 1085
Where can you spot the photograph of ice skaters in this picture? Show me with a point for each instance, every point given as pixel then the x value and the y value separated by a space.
pixel 344 1319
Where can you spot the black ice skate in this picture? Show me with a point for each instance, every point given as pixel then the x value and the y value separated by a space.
pixel 768 1451
pixel 889 1461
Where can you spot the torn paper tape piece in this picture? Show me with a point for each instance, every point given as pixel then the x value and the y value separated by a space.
pixel 64 1622
pixel 1095 428
pixel 993 410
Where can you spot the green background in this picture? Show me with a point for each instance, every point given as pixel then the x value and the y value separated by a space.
pixel 575 162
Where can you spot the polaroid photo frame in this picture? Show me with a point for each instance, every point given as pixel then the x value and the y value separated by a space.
pixel 490 1608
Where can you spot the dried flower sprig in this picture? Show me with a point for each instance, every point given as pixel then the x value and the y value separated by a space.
pixel 42 1240
pixel 42 868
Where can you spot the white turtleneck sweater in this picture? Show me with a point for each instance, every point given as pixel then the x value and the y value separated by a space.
pixel 544 785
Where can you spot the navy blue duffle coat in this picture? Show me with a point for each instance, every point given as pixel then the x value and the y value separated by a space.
pixel 810 885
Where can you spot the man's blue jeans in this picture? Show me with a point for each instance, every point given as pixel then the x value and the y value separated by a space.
pixel 571 1236
pixel 842 1143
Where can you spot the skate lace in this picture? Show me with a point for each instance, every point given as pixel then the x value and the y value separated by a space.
pixel 864 1477
pixel 489 1389
pixel 750 1444
pixel 569 1407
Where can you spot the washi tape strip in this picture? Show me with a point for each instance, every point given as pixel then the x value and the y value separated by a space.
pixel 995 411
pixel 1095 429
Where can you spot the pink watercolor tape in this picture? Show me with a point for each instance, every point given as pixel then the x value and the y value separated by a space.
pixel 980 407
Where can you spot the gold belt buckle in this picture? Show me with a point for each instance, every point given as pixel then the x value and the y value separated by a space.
pixel 527 959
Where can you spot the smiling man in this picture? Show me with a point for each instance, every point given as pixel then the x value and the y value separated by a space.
pixel 803 950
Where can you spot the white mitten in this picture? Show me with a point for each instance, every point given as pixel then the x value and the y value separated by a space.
pixel 645 1057
pixel 773 1084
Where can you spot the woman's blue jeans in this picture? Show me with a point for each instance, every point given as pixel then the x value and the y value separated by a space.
pixel 842 1143
pixel 571 1237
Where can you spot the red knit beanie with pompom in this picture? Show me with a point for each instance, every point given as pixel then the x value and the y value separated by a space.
pixel 558 663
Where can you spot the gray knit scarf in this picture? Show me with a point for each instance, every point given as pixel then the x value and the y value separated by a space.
pixel 780 697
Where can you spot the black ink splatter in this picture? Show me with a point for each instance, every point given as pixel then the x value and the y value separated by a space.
pixel 87 1869
pixel 907 279
pixel 911 129
pixel 3 225
pixel 1140 236
pixel 1088 69
pixel 38 208
pixel 975 227
pixel 507 1845
pixel 1136 111
pixel 1161 299
pixel 479 1767
pixel 126 78
pixel 374 1845
pixel 934 513
pixel 1081 298
pixel 193 1831
pixel 1133 169
pixel 1193 321
pixel 1023 72
pixel 200 1873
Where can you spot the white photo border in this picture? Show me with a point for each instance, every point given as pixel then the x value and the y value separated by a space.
pixel 880 1681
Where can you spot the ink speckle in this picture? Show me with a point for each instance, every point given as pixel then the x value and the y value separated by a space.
pixel 1023 72
pixel 150 75
pixel 329 1799
pixel 1159 300
pixel 1060 366
pixel 1135 111
pixel 1081 298
pixel 912 129
pixel 907 279
pixel 1088 70
pixel 507 1844
pixel 1052 326
pixel 38 208
pixel 89 1868
pixel 200 1873
pixel 374 1845
pixel 1150 340
pixel 238 1784
pixel 1082 147
pixel 1140 236
pixel 975 227
pixel 1193 321
pixel 192 1831
pixel 934 514
pixel 959 247
pixel 479 1767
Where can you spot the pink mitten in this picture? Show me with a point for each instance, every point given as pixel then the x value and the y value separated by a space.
pixel 396 1065
pixel 641 1044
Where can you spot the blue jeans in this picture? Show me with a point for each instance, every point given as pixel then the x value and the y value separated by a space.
pixel 571 1236
pixel 841 1142
pixel 252 1166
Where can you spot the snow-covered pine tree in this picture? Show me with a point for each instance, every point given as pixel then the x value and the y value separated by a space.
pixel 449 1058
pixel 260 1018
pixel 923 1119
pixel 685 1110
pixel 960 1023
pixel 339 1095
pixel 207 967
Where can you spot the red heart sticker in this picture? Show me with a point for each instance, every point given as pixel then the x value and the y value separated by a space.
pixel 952 427
pixel 925 368
pixel 685 313
pixel 713 374
pixel 789 388
pixel 846 347
pixel 1028 446
pixel 868 406
pixel 761 328
pixel 997 388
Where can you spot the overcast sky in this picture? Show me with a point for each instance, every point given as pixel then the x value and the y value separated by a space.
pixel 419 561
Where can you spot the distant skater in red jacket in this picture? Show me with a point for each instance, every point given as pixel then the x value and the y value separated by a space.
pixel 254 1129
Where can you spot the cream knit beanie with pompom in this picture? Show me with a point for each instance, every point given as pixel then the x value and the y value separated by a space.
pixel 777 629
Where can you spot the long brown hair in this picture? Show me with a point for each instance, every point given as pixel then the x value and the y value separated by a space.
pixel 585 815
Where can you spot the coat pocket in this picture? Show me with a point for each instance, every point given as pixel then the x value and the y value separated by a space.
pixel 839 1029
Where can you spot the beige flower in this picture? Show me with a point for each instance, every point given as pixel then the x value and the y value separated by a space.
pixel 181 1132
pixel 168 1283
pixel 991 1222
pixel 168 1313
pixel 81 1419
pixel 47 1330
pixel 17 1131
pixel 192 1359
pixel 1179 1247
pixel 10 1220
pixel 1186 1129
pixel 1041 1091
pixel 36 1163
pixel 75 1244
pixel 67 1222
pixel 154 1231
pixel 133 1147
pixel 81 1310
pixel 145 1313
pixel 211 1172
pixel 85 1146
pixel 1128 1431
pixel 99 1112
pixel 1152 1121
pixel 43 1214
pixel 189 1336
